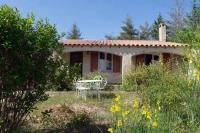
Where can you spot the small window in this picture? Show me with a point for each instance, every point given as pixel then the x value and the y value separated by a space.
pixel 105 61
pixel 102 55
pixel 156 58
pixel 109 62
pixel 109 57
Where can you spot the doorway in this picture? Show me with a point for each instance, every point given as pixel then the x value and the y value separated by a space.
pixel 77 58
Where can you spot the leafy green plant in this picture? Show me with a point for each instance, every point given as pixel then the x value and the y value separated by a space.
pixel 135 79
pixel 78 120
pixel 92 75
pixel 177 93
pixel 65 76
pixel 134 116
pixel 27 64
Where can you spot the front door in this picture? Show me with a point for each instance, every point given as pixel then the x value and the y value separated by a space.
pixel 77 58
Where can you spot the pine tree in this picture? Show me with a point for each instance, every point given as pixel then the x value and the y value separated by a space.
pixel 193 19
pixel 111 37
pixel 155 27
pixel 177 16
pixel 145 31
pixel 128 30
pixel 74 33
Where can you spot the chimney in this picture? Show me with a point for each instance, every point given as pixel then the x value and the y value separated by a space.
pixel 162 32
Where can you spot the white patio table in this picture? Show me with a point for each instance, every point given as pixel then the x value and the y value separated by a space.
pixel 83 86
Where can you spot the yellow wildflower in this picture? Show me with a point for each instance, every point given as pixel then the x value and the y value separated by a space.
pixel 125 113
pixel 119 123
pixel 145 110
pixel 117 99
pixel 135 104
pixel 154 124
pixel 148 115
pixel 110 130
pixel 115 108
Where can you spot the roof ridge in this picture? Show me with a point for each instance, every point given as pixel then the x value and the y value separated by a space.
pixel 136 43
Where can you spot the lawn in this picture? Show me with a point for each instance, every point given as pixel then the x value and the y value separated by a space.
pixel 62 104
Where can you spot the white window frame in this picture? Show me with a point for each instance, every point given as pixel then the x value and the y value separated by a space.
pixel 105 59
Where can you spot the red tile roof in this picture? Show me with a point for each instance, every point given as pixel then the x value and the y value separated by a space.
pixel 121 43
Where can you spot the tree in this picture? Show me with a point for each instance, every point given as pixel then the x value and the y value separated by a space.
pixel 27 64
pixel 74 33
pixel 128 31
pixel 111 37
pixel 188 36
pixel 155 27
pixel 145 31
pixel 176 18
pixel 193 19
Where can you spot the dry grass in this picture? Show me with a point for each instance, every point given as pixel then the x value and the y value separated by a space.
pixel 64 104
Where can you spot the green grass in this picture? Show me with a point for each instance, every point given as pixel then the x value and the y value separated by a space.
pixel 69 98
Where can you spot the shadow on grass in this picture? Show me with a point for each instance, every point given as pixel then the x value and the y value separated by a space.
pixel 101 95
pixel 88 128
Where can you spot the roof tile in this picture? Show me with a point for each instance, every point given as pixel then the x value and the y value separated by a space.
pixel 122 43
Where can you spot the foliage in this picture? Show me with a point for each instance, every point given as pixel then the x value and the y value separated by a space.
pixel 74 33
pixel 94 74
pixel 134 79
pixel 145 31
pixel 81 119
pixel 111 37
pixel 65 76
pixel 189 36
pixel 193 19
pixel 26 64
pixel 128 31
pixel 177 94
pixel 134 116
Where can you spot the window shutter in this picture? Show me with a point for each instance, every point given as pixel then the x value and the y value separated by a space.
pixel 140 59
pixel 94 61
pixel 117 63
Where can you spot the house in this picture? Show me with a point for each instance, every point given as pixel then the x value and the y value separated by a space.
pixel 116 57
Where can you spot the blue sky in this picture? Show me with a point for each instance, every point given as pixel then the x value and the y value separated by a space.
pixel 95 18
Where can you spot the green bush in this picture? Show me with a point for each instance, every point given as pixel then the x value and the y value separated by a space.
pixel 177 93
pixel 79 120
pixel 65 76
pixel 27 64
pixel 135 79
pixel 92 75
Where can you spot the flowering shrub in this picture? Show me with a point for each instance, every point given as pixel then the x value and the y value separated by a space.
pixel 168 101
pixel 134 116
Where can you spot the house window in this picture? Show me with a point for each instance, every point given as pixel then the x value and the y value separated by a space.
pixel 149 58
pixel 105 61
